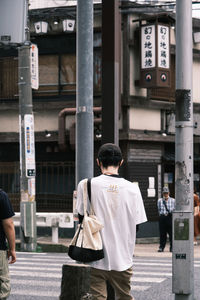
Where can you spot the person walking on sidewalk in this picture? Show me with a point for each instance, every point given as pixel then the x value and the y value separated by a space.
pixel 166 205
pixel 118 205
pixel 7 231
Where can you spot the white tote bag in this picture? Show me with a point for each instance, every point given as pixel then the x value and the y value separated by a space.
pixel 86 245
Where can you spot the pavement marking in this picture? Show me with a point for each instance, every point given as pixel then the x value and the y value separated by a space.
pixel 35 274
pixel 152 260
pixel 151 273
pixel 40 293
pixel 151 264
pixel 140 287
pixel 40 259
pixel 28 263
pixel 47 283
pixel 35 268
pixel 147 279
pixel 31 253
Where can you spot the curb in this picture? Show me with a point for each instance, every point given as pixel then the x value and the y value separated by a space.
pixel 62 247
pixel 46 247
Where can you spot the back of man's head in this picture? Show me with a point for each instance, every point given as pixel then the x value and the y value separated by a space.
pixel 110 155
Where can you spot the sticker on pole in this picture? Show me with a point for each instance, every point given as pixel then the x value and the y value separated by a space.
pixel 34 67
pixel 29 145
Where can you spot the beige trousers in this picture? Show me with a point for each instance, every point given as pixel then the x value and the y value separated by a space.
pixel 4 276
pixel 120 281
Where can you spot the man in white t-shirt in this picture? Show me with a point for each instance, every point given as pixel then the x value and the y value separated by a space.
pixel 118 204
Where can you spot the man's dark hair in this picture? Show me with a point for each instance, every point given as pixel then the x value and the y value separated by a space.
pixel 110 155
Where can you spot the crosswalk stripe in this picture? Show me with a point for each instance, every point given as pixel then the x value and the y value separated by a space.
pixel 35 274
pixel 140 288
pixel 40 259
pixel 151 264
pixel 151 273
pixel 159 261
pixel 36 283
pixel 33 263
pixel 36 293
pixel 147 279
pixel 35 268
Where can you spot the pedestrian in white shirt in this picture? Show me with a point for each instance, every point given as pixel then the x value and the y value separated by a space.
pixel 118 204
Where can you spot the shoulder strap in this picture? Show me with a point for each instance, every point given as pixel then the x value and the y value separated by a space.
pixel 89 188
pixel 89 195
pixel 165 206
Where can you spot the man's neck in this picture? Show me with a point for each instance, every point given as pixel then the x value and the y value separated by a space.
pixel 111 170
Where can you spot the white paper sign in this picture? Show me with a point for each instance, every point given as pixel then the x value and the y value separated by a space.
pixel 151 182
pixel 151 193
pixel 148 47
pixel 163 46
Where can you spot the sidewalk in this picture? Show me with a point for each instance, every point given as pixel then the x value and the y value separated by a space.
pixel 144 247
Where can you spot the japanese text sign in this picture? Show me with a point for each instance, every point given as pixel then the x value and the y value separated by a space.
pixel 163 46
pixel 148 47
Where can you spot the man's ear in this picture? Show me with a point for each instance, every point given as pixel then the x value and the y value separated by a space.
pixel 121 162
pixel 98 163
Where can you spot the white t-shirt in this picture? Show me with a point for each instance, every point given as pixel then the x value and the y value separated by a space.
pixel 119 206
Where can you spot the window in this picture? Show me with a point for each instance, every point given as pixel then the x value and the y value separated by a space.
pixel 68 72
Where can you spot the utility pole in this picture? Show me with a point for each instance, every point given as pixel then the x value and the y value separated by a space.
pixel 84 101
pixel 183 228
pixel 111 81
pixel 27 150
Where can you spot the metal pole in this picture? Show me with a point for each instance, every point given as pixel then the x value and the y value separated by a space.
pixel 27 151
pixel 183 228
pixel 111 84
pixel 84 103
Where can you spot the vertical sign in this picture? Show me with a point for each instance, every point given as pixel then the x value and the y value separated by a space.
pixel 34 67
pixel 155 56
pixel 163 46
pixel 29 145
pixel 148 47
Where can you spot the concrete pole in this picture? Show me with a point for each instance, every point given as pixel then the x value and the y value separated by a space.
pixel 183 228
pixel 28 231
pixel 84 101
pixel 27 153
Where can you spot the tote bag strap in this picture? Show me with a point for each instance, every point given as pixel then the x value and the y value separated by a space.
pixel 89 189
pixel 85 196
pixel 89 196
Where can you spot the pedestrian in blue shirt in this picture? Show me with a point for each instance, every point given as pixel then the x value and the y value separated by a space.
pixel 166 205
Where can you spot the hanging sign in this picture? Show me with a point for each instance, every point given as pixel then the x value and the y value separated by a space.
pixel 163 46
pixel 148 48
pixel 155 56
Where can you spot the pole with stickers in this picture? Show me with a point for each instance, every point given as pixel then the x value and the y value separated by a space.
pixel 183 219
pixel 27 148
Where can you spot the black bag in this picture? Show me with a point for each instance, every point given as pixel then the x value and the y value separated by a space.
pixel 86 245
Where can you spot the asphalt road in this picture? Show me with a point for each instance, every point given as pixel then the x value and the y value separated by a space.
pixel 38 276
